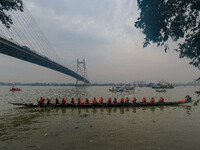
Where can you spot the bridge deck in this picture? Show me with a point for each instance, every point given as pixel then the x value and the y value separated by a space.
pixel 11 49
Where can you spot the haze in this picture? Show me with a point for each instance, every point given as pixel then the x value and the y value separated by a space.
pixel 103 33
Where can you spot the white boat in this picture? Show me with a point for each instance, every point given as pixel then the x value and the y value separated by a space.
pixel 121 88
pixel 129 87
pixel 116 88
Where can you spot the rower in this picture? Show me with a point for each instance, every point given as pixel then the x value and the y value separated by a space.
pixel 152 100
pixel 79 101
pixel 72 101
pixel 87 101
pixel 144 100
pixel 57 101
pixel 115 101
pixel 63 101
pixel 48 102
pixel 41 102
pixel 188 98
pixel 127 100
pixel 161 100
pixel 101 100
pixel 109 101
pixel 122 101
pixel 134 100
pixel 94 101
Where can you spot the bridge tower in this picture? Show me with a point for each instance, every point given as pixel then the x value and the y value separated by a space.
pixel 81 69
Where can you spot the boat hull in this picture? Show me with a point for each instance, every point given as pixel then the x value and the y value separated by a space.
pixel 102 105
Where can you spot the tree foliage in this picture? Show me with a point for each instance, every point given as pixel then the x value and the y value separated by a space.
pixel 179 20
pixel 8 5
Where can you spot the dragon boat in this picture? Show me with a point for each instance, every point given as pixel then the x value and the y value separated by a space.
pixel 138 104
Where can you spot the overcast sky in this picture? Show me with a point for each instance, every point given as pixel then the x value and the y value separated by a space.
pixel 102 32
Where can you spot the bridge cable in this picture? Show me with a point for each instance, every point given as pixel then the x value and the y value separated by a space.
pixel 26 32
pixel 30 35
pixel 16 27
pixel 2 32
pixel 41 35
pixel 18 23
pixel 45 51
pixel 16 36
pixel 21 28
pixel 36 44
pixel 47 42
pixel 9 33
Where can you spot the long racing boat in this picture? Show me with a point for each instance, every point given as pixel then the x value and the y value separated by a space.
pixel 138 104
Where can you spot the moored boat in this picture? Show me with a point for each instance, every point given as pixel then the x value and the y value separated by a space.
pixel 163 84
pixel 116 88
pixel 161 90
pixel 122 88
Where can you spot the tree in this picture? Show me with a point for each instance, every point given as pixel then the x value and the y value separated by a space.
pixel 8 5
pixel 179 20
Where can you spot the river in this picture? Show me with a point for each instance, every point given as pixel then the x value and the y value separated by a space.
pixel 162 128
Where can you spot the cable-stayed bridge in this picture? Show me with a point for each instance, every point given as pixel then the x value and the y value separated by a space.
pixel 24 40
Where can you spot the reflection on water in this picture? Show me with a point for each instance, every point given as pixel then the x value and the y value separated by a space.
pixel 110 110
pixel 9 124
pixel 89 128
pixel 25 119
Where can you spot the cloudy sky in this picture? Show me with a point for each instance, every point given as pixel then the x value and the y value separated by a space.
pixel 102 32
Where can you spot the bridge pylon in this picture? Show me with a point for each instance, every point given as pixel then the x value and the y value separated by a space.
pixel 81 69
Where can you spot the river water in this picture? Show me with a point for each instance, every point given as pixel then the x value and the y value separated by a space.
pixel 169 127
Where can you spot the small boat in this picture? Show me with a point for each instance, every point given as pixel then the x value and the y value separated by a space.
pixel 129 87
pixel 122 88
pixel 161 90
pixel 15 89
pixel 116 88
pixel 163 84
pixel 138 104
